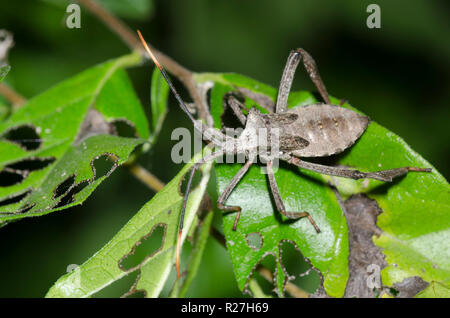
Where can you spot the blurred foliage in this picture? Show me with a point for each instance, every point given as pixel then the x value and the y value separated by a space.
pixel 398 75
pixel 107 265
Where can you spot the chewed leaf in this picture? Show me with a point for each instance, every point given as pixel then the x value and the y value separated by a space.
pixel 71 124
pixel 78 161
pixel 416 209
pixel 327 251
pixel 107 265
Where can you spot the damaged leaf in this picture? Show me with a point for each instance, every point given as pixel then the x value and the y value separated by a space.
pixel 104 267
pixel 69 126
pixel 415 219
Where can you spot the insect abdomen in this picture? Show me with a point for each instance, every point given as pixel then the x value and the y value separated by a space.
pixel 328 129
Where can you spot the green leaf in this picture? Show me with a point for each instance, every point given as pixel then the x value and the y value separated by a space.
pixel 4 110
pixel 415 222
pixel 416 208
pixel 435 290
pixel 4 71
pixel 159 97
pixel 69 125
pixel 103 268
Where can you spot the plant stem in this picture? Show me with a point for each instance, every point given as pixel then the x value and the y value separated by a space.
pixel 145 176
pixel 130 38
pixel 256 289
pixel 12 96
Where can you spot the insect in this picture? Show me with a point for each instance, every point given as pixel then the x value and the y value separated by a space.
pixel 316 130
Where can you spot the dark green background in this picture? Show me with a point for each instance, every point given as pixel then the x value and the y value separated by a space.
pixel 398 75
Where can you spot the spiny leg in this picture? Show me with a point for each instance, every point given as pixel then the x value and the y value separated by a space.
pixel 383 175
pixel 279 202
pixel 226 193
pixel 197 165
pixel 288 77
pixel 236 106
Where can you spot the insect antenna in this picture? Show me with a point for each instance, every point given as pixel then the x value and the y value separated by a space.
pixel 164 74
pixel 185 109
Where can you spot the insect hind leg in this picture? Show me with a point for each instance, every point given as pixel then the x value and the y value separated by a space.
pixel 279 202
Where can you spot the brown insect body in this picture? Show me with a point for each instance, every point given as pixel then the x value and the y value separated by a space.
pixel 316 130
pixel 328 129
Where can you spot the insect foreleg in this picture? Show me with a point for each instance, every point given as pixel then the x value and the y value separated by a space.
pixel 236 106
pixel 226 193
pixel 197 165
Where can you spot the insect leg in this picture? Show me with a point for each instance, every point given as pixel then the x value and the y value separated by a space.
pixel 226 193
pixel 236 107
pixel 288 77
pixel 279 202
pixel 383 175
pixel 197 165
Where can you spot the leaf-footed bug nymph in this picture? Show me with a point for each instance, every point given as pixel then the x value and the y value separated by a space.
pixel 316 130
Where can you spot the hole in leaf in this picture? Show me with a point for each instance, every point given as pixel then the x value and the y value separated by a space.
pixel 26 136
pixel 184 181
pixel 17 172
pixel 124 128
pixel 297 266
pixel 254 241
pixel 27 207
pixel 393 291
pixel 69 197
pixel 104 165
pixel 14 199
pixel 64 186
pixel 264 275
pixel 32 164
pixel 145 248
pixel 118 288
pixel 9 178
